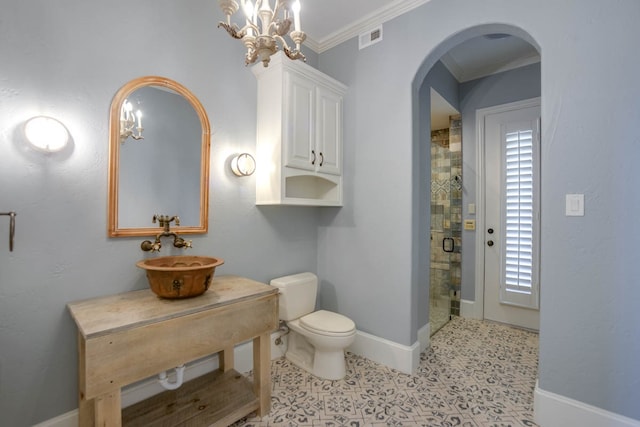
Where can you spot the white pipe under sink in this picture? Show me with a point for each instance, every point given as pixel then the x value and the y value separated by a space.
pixel 164 381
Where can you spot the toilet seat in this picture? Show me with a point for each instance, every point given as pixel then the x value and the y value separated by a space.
pixel 328 323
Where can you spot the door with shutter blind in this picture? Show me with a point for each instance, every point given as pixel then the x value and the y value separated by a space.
pixel 512 215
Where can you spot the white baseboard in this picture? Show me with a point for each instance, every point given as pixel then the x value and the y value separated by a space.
pixel 397 356
pixel 70 419
pixel 470 309
pixel 554 410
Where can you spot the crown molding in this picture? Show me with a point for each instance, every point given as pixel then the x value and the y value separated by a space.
pixel 384 14
pixel 312 44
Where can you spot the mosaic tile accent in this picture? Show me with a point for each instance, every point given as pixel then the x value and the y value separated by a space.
pixel 475 374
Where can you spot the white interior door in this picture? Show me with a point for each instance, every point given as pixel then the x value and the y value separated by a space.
pixel 512 215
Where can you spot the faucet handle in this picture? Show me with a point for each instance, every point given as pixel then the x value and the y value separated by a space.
pixel 179 242
pixel 147 246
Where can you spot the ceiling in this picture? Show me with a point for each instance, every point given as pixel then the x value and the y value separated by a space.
pixel 331 22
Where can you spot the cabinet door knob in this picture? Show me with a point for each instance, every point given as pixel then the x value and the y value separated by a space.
pixel 321 158
pixel 313 161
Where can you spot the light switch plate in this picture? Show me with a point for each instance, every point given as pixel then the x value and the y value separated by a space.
pixel 469 224
pixel 574 205
pixel 471 208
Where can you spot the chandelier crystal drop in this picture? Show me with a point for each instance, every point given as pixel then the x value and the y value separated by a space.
pixel 265 39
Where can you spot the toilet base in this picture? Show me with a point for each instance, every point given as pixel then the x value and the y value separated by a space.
pixel 325 364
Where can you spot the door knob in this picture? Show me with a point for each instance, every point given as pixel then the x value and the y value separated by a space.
pixel 490 243
pixel 490 231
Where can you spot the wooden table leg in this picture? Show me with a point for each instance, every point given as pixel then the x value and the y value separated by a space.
pixel 86 413
pixel 108 409
pixel 225 359
pixel 262 372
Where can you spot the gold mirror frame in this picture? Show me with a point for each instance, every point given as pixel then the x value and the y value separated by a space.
pixel 113 230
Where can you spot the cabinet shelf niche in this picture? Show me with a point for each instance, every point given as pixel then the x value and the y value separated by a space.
pixel 318 189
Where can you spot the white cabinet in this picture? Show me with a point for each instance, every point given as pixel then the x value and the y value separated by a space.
pixel 299 135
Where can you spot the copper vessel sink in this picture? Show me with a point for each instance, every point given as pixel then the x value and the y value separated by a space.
pixel 180 276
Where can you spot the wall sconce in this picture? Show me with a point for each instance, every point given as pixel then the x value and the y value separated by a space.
pixel 46 134
pixel 243 164
pixel 128 122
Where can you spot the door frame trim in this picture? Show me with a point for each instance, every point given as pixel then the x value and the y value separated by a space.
pixel 481 114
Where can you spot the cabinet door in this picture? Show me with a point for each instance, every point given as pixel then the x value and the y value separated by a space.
pixel 300 132
pixel 329 131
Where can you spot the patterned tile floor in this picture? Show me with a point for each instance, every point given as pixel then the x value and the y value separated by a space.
pixel 474 374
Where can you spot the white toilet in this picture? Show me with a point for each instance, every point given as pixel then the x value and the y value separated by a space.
pixel 316 340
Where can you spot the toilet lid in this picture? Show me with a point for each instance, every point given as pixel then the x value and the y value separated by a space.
pixel 327 322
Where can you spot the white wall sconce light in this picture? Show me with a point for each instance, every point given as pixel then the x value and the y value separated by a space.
pixel 128 122
pixel 243 164
pixel 46 134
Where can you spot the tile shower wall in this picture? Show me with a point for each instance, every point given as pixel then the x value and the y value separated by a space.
pixel 446 222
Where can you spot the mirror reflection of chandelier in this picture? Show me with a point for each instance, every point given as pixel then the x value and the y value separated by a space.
pixel 262 40
pixel 128 122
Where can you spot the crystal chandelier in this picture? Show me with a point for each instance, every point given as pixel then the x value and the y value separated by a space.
pixel 262 41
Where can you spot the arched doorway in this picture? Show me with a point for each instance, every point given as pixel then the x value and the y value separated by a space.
pixel 471 92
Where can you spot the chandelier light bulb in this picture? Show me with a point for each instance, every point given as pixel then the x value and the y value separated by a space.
pixel 247 7
pixel 130 120
pixel 295 8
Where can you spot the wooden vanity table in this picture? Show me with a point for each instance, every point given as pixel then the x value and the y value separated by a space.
pixel 128 337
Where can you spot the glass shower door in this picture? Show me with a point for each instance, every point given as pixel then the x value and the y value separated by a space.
pixel 446 224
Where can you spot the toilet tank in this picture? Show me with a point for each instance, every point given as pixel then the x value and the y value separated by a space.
pixel 297 295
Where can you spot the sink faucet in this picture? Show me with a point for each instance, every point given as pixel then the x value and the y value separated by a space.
pixel 164 221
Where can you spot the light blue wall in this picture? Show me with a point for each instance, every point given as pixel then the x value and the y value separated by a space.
pixel 509 86
pixel 440 79
pixel 364 248
pixel 67 59
pixel 589 339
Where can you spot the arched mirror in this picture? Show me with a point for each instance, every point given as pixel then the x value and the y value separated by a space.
pixel 159 137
